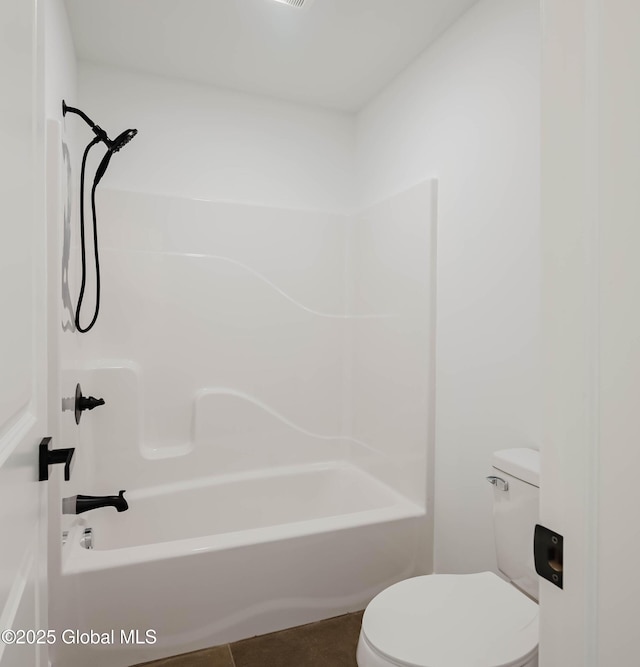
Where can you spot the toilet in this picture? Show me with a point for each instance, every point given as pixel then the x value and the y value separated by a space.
pixel 468 620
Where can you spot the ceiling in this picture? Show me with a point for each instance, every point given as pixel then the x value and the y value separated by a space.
pixel 332 53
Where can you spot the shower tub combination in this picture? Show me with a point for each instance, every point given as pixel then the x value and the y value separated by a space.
pixel 217 559
pixel 267 411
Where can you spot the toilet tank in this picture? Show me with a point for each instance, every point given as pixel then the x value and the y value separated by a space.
pixel 515 514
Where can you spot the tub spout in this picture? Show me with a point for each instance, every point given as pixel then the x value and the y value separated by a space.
pixel 79 504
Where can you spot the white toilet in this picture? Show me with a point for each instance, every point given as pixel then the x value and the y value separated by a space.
pixel 468 620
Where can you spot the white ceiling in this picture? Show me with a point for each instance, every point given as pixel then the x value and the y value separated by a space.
pixel 332 53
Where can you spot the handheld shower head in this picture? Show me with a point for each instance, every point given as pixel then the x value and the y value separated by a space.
pixel 114 146
pixel 122 140
pixel 102 168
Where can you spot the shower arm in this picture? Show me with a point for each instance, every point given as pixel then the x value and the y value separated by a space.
pixel 99 132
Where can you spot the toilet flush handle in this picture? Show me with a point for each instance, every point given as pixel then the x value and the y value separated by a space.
pixel 498 482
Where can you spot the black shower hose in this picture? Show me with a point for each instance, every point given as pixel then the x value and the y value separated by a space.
pixel 83 281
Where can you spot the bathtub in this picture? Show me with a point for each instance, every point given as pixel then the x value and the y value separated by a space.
pixel 209 561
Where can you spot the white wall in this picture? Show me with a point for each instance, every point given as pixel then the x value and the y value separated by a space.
pixel 466 112
pixel 61 83
pixel 60 59
pixel 208 143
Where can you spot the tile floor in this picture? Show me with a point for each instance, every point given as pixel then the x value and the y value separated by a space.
pixel 328 643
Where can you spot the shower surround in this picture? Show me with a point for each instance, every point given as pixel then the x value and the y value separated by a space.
pixel 268 382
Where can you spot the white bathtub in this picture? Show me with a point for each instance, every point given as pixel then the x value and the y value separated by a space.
pixel 218 559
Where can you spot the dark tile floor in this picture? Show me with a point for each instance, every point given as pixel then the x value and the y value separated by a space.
pixel 328 643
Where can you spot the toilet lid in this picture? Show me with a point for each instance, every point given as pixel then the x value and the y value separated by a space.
pixel 442 620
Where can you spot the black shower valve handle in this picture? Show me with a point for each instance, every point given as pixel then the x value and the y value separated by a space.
pixel 89 402
pixel 85 403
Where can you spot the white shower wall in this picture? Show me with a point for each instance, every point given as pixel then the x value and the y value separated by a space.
pixel 392 271
pixel 236 337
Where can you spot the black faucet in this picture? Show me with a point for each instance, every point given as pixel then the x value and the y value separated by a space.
pixel 79 504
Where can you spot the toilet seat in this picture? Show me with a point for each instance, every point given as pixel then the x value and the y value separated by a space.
pixel 441 620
